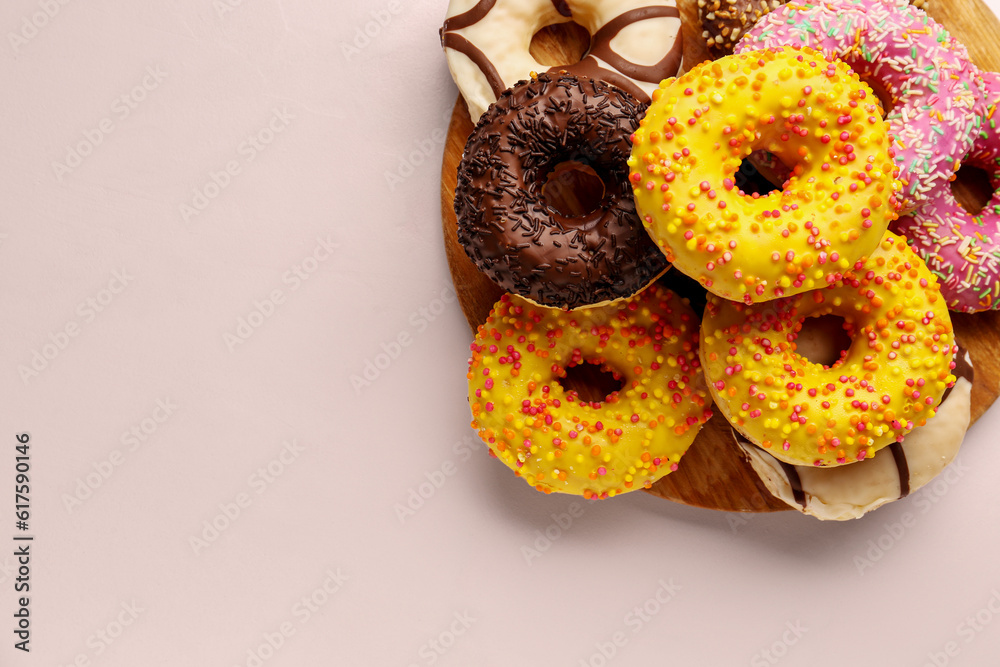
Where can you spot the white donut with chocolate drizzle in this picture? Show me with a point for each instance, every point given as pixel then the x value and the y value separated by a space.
pixel 635 44
pixel 848 492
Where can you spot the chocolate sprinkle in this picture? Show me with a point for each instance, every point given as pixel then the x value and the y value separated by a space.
pixel 511 233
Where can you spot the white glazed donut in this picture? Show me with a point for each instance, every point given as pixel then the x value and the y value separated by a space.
pixel 848 492
pixel 635 44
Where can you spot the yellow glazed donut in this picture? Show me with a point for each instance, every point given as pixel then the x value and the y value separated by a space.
pixel 888 382
pixel 555 440
pixel 848 492
pixel 820 121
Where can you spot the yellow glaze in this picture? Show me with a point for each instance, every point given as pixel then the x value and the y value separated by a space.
pixel 888 382
pixel 552 438
pixel 818 118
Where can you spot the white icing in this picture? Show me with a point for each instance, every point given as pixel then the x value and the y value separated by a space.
pixel 504 36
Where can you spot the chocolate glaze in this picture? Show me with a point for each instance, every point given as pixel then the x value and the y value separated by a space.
pixel 963 369
pixel 467 18
pixel 794 481
pixel 791 472
pixel 668 65
pixel 589 68
pixel 902 467
pixel 504 223
pixel 462 45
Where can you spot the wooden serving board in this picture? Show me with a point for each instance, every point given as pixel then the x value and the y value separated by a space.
pixel 714 474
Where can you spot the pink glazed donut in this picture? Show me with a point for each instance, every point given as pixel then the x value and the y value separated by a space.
pixel 963 250
pixel 935 92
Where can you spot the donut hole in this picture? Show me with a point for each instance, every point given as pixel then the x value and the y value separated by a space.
pixel 823 339
pixel 560 44
pixel 573 189
pixel 882 95
pixel 761 173
pixel 972 188
pixel 590 382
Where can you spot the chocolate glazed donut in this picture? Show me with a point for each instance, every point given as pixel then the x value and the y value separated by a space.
pixel 514 235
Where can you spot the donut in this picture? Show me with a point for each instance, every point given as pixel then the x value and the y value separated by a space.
pixel 963 250
pixel 505 223
pixel 634 44
pixel 723 22
pixel 817 118
pixel 889 380
pixel 933 90
pixel 851 491
pixel 558 442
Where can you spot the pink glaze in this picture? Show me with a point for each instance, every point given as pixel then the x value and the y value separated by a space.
pixel 963 250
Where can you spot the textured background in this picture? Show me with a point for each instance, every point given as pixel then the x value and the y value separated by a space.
pixel 217 213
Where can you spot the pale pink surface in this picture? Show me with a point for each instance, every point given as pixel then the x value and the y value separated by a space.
pixel 743 580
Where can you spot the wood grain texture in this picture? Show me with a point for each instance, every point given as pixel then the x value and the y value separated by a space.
pixel 714 474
